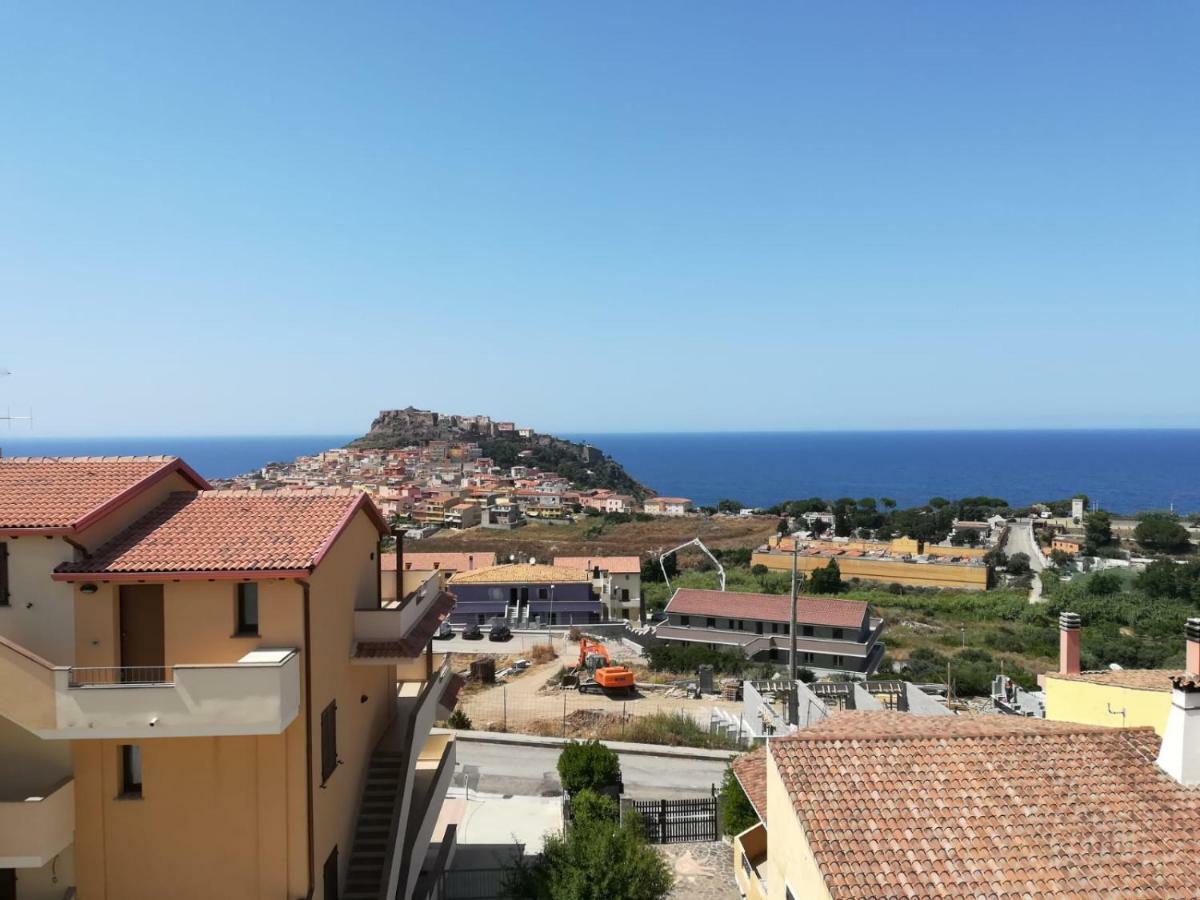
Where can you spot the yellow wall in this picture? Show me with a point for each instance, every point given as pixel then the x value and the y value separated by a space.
pixel 1068 700
pixel 973 578
pixel 789 859
pixel 234 807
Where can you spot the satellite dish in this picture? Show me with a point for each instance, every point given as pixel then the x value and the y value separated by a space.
pixel 532 561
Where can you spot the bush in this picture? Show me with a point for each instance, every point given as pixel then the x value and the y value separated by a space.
pixel 737 812
pixel 1018 564
pixel 674 729
pixel 588 765
pixel 459 721
pixel 597 858
pixel 827 580
pixel 687 658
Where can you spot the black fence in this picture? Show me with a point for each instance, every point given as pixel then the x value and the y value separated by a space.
pixel 676 821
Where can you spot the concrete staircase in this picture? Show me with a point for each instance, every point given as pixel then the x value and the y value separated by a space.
pixel 368 859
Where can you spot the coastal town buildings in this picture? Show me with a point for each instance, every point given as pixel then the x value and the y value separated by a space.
pixel 901 561
pixel 885 804
pixel 667 506
pixel 525 594
pixel 617 580
pixel 835 635
pixel 206 692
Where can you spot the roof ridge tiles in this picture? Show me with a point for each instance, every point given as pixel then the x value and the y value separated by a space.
pixel 85 459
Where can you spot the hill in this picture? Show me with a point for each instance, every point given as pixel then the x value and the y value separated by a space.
pixel 584 465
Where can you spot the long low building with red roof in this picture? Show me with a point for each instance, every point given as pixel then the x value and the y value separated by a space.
pixel 832 635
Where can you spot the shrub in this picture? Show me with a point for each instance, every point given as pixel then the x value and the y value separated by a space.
pixel 687 658
pixel 737 812
pixel 587 765
pixel 827 580
pixel 459 721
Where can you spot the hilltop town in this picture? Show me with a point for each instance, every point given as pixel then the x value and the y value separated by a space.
pixel 434 471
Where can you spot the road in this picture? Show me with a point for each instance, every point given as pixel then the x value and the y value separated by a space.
pixel 1020 540
pixel 530 772
pixel 520 642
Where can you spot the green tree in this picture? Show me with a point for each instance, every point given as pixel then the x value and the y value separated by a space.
pixel 597 858
pixel 827 580
pixel 1098 529
pixel 730 506
pixel 1161 532
pixel 737 812
pixel 1018 564
pixel 888 502
pixel 818 527
pixel 1061 559
pixel 588 765
pixel 783 527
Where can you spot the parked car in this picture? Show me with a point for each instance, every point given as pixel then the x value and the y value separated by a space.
pixel 444 631
pixel 499 631
pixel 658 616
pixel 471 632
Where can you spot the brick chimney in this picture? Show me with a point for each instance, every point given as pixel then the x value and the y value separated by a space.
pixel 1179 755
pixel 1068 643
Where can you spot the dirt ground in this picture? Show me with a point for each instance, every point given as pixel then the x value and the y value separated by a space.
pixel 525 701
pixel 631 538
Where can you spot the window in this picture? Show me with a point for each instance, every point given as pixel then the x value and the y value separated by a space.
pixel 685 620
pixel 3 574
pixel 786 628
pixel 329 875
pixel 543 593
pixel 329 760
pixel 839 661
pixel 710 623
pixel 131 771
pixel 730 621
pixel 758 627
pixel 807 631
pixel 809 657
pixel 247 609
pixel 839 633
pixel 774 628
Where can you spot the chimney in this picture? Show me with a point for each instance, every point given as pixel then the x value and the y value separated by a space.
pixel 1068 643
pixel 471 561
pixel 1179 755
pixel 1192 632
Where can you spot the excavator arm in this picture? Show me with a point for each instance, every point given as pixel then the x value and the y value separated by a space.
pixel 699 543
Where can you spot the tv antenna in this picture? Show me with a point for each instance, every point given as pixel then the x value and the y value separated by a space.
pixel 8 416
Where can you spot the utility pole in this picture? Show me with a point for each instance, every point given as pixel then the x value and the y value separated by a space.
pixel 793 697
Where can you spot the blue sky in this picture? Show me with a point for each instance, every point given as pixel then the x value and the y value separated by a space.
pixel 255 218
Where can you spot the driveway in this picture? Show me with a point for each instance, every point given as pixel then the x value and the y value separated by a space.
pixel 1020 540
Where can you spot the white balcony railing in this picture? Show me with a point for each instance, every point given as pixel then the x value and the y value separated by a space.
pixel 36 828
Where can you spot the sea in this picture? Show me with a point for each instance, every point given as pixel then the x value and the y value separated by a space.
pixel 1123 471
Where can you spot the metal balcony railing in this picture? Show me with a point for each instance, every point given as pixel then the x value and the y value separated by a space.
pixel 117 676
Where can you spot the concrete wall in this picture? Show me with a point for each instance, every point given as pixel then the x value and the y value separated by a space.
pixel 1068 700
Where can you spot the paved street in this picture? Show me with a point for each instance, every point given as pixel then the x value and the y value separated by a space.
pixel 1020 540
pixel 530 771
pixel 520 642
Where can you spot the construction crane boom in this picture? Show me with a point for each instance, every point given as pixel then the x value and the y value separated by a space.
pixel 699 543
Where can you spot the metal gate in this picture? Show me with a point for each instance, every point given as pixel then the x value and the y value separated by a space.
pixel 675 821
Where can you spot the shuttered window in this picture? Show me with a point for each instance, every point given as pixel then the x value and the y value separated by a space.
pixel 329 759
pixel 3 574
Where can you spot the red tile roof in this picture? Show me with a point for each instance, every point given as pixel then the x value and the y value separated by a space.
pixel 750 769
pixel 228 532
pixel 895 805
pixel 768 607
pixel 68 493
pixel 617 565
pixel 450 562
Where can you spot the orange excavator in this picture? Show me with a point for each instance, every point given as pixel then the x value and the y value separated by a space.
pixel 597 674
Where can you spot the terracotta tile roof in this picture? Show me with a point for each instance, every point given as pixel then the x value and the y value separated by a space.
pixel 413 643
pixel 768 607
pixel 222 532
pixel 1138 679
pixel 67 492
pixel 750 769
pixel 671 500
pixel 617 565
pixel 895 805
pixel 519 573
pixel 451 562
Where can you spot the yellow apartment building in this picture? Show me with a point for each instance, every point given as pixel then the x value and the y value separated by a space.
pixel 901 561
pixel 209 693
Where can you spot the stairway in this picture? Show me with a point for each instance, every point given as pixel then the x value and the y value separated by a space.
pixel 368 859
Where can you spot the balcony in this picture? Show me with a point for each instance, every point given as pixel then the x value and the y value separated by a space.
pixel 750 862
pixel 34 829
pixel 401 630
